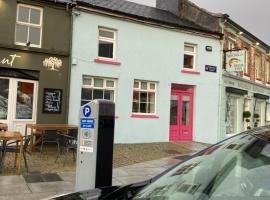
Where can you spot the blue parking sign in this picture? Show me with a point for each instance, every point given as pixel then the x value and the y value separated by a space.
pixel 87 111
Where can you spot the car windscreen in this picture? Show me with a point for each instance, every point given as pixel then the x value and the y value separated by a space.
pixel 238 168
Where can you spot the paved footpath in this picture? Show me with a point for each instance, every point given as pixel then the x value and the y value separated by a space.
pixel 15 187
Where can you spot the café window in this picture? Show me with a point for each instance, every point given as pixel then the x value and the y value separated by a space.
pixel 106 43
pixel 258 63
pixel 28 30
pixel 144 97
pixel 267 112
pixel 189 56
pixel 97 88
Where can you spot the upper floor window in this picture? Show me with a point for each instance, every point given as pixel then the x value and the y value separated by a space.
pixel 267 69
pixel 231 43
pixel 28 26
pixel 189 56
pixel 246 68
pixel 106 43
pixel 97 88
pixel 258 63
pixel 144 97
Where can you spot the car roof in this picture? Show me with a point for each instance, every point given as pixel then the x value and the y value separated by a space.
pixel 261 132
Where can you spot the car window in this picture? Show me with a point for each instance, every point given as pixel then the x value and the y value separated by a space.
pixel 237 168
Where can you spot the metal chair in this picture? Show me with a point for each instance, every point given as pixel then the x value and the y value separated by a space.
pixel 49 136
pixel 10 148
pixel 67 142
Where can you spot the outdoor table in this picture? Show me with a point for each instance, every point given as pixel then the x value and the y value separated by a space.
pixel 3 127
pixel 43 127
pixel 17 136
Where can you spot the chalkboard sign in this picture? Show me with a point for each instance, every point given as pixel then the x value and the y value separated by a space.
pixel 52 100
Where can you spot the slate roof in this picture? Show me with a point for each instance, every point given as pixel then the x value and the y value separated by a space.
pixel 143 12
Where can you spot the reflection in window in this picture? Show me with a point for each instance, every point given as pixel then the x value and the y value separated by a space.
pixel 185 110
pixel 4 90
pixel 174 110
pixel 24 104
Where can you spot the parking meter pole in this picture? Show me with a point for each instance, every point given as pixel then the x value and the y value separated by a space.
pixel 95 145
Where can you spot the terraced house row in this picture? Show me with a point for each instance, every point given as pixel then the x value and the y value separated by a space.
pixel 175 71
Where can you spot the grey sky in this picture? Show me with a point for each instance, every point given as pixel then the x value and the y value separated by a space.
pixel 253 15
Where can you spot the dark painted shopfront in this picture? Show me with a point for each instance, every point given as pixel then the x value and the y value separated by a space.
pixel 34 62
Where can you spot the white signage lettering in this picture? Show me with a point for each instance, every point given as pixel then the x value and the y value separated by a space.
pixel 10 60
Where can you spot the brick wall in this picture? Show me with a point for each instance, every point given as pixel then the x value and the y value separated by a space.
pixel 252 51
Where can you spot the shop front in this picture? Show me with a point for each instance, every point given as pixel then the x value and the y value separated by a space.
pixel 245 105
pixel 33 88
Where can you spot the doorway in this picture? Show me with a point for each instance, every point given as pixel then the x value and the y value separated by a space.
pixel 18 102
pixel 181 115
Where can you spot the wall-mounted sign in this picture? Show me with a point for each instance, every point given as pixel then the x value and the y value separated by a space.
pixel 52 63
pixel 235 61
pixel 9 60
pixel 209 68
pixel 52 100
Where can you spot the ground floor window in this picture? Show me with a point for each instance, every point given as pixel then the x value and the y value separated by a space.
pixel 259 113
pixel 97 88
pixel 232 114
pixel 144 97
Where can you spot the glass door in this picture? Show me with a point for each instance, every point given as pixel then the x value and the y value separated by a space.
pixel 18 102
pixel 4 96
pixel 174 118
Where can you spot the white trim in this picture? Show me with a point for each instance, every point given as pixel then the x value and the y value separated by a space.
pixel 194 54
pixel 40 25
pixel 110 40
pixel 147 90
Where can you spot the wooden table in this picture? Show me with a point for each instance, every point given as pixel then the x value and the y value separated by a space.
pixel 17 136
pixel 3 127
pixel 43 127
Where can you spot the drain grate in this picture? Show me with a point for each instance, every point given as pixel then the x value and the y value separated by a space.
pixel 38 177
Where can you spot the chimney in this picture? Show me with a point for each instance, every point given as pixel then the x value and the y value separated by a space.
pixel 187 10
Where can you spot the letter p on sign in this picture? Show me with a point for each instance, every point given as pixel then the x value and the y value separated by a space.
pixel 86 111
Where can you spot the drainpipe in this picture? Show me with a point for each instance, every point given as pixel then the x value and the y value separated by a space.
pixel 220 102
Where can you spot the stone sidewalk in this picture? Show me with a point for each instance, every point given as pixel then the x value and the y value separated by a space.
pixel 15 187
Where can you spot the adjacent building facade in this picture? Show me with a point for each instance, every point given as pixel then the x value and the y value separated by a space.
pixel 34 62
pixel 245 80
pixel 162 71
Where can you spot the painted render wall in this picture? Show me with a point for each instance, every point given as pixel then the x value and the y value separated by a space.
pixel 153 54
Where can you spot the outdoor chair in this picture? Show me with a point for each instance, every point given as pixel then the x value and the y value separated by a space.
pixel 11 148
pixel 49 136
pixel 67 142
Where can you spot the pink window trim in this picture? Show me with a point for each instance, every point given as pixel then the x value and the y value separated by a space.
pixel 187 71
pixel 144 116
pixel 112 62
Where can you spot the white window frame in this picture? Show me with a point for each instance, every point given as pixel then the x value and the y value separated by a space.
pixel 246 67
pixel 29 25
pixel 267 69
pixel 100 88
pixel 104 39
pixel 190 54
pixel 145 90
pixel 258 68
pixel 231 43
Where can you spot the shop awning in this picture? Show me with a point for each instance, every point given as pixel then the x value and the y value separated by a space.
pixel 261 96
pixel 19 73
pixel 236 91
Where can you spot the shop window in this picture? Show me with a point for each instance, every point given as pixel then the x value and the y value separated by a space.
pixel 106 43
pixel 267 112
pixel 258 63
pixel 144 97
pixel 189 56
pixel 28 29
pixel 97 88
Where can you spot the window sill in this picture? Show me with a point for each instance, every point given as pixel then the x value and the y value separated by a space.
pixel 190 71
pixel 144 116
pixel 111 62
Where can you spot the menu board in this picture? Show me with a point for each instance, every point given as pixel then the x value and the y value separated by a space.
pixel 52 100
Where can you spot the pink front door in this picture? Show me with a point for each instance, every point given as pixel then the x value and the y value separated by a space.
pixel 181 115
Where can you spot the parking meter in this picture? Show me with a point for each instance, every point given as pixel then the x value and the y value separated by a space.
pixel 95 145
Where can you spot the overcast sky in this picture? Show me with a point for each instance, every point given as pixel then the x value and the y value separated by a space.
pixel 253 15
